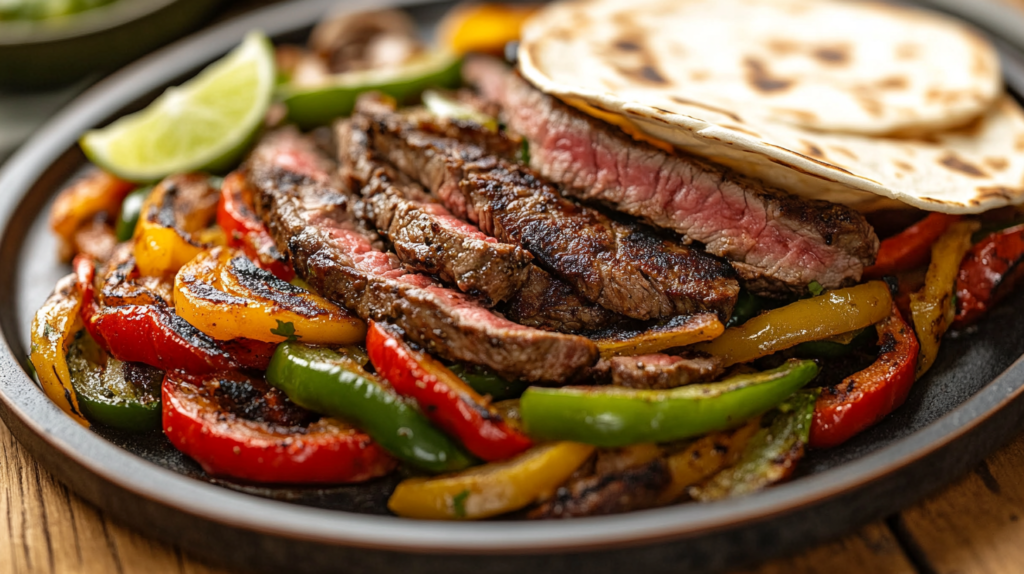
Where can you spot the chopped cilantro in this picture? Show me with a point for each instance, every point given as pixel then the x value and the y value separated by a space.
pixel 459 503
pixel 286 330
pixel 524 152
pixel 815 288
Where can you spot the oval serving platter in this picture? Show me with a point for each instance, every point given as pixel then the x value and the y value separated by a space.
pixel 966 407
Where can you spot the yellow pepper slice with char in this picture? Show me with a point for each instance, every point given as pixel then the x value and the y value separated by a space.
pixel 172 224
pixel 932 307
pixel 52 329
pixel 491 489
pixel 833 313
pixel 223 294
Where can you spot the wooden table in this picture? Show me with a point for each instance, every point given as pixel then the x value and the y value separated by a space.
pixel 972 527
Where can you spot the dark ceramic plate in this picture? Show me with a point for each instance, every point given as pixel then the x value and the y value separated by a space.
pixel 965 408
pixel 62 51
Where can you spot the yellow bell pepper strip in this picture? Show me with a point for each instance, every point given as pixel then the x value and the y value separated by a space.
pixel 705 457
pixel 771 454
pixel 53 328
pixel 179 207
pixel 833 313
pixel 98 192
pixel 617 416
pixel 225 295
pixel 932 308
pixel 491 489
pixel 445 107
pixel 484 28
pixel 680 331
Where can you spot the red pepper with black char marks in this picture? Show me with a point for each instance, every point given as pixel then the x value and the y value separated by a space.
pixel 238 426
pixel 989 271
pixel 245 231
pixel 911 247
pixel 156 336
pixel 445 398
pixel 865 398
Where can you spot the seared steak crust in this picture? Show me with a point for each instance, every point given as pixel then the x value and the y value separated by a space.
pixel 425 236
pixel 778 242
pixel 620 266
pixel 664 371
pixel 309 212
pixel 548 303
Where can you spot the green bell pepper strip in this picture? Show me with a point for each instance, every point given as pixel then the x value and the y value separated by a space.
pixel 487 382
pixel 324 381
pixel 131 207
pixel 318 105
pixel 747 305
pixel 617 416
pixel 771 455
pixel 114 394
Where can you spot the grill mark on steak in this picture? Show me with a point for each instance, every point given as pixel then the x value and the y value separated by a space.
pixel 622 267
pixel 664 371
pixel 309 212
pixel 425 235
pixel 548 303
pixel 779 242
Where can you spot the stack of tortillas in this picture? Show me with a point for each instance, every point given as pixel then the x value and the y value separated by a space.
pixel 853 102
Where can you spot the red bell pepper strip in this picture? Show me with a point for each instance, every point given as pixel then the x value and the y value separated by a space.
pixel 445 398
pixel 245 231
pixel 227 440
pixel 865 398
pixel 988 273
pixel 911 247
pixel 156 336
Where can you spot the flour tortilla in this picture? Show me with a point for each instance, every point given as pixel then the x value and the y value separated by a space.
pixel 571 50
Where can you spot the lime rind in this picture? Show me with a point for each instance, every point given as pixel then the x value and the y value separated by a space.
pixel 205 123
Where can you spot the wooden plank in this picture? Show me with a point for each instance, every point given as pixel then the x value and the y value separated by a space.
pixel 46 528
pixel 975 525
pixel 873 549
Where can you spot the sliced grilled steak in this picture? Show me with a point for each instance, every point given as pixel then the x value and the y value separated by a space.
pixel 608 493
pixel 309 212
pixel 664 371
pixel 425 236
pixel 777 242
pixel 623 267
pixel 548 303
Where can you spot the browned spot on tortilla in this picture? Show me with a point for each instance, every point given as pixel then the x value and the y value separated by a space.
pixel 628 45
pixel 800 170
pixel 907 51
pixel 892 83
pixel 699 75
pixel 955 163
pixel 833 55
pixel 813 150
pixel 802 115
pixel 761 79
pixel 651 74
pixel 1019 143
pixel 844 151
pixel 903 165
pixel 783 47
pixel 810 159
pixel 997 163
pixel 982 66
pixel 870 105
pixel 717 110
pixel 998 191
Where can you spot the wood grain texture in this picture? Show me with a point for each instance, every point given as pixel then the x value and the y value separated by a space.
pixel 975 526
pixel 873 549
pixel 44 528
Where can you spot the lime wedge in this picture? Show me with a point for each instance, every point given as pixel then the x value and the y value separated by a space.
pixel 312 106
pixel 205 123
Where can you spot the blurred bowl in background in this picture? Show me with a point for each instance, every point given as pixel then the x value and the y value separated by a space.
pixel 45 54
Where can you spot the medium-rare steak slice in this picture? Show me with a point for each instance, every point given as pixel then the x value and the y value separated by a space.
pixel 425 236
pixel 777 242
pixel 309 212
pixel 623 267
pixel 664 371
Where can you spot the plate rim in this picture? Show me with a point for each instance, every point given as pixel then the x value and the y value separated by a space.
pixel 225 507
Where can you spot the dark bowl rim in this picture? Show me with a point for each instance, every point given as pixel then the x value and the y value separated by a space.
pixel 93 21
pixel 21 398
